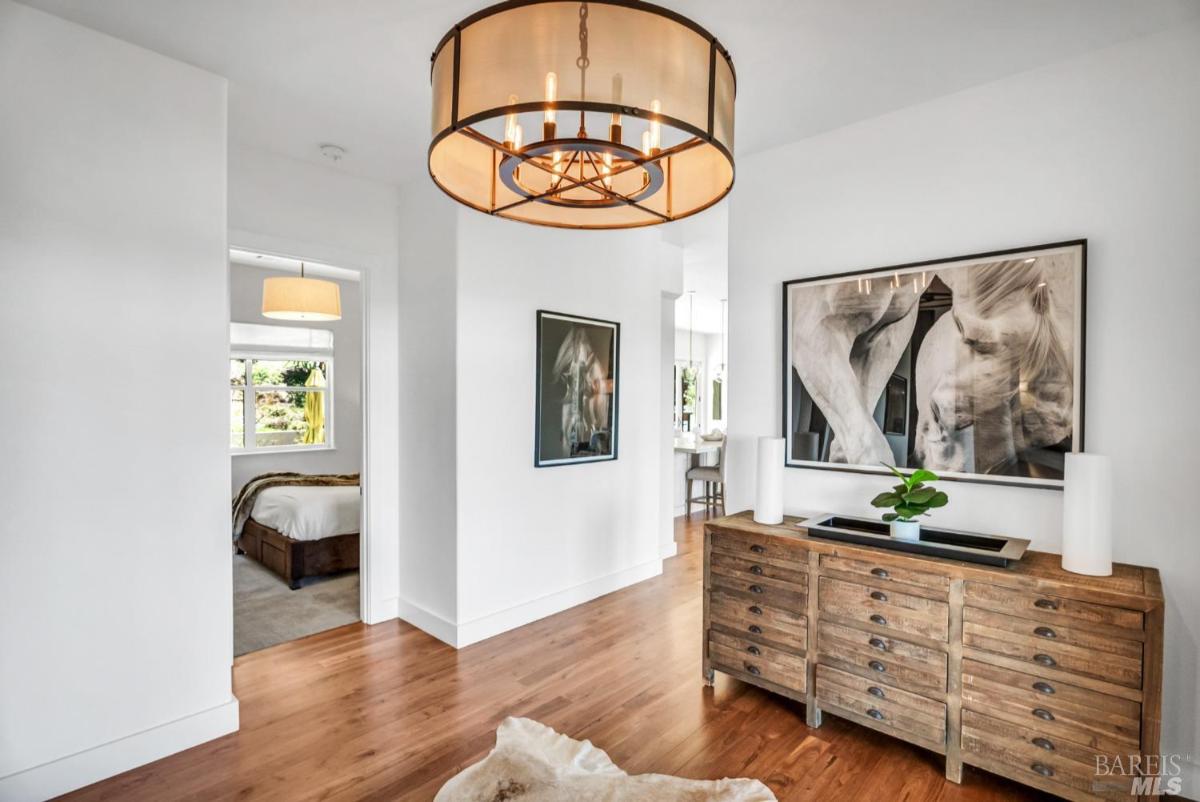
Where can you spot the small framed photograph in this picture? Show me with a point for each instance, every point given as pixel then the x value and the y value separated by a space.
pixel 577 389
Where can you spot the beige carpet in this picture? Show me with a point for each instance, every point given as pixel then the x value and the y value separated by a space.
pixel 533 763
pixel 266 612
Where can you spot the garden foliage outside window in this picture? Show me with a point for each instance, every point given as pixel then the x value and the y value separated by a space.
pixel 279 401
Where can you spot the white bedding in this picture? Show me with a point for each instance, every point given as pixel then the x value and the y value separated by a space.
pixel 309 513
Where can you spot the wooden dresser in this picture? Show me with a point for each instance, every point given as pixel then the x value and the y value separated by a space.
pixel 1030 672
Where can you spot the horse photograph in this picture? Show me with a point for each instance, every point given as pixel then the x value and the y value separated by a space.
pixel 576 418
pixel 990 345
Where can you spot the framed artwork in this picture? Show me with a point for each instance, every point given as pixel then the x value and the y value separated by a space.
pixel 971 367
pixel 576 389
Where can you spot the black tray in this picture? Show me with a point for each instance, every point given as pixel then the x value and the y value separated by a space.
pixel 935 542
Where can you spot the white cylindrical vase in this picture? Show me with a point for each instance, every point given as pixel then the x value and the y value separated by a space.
pixel 768 494
pixel 1087 515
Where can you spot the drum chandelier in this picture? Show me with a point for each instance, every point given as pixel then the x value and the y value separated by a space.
pixel 603 114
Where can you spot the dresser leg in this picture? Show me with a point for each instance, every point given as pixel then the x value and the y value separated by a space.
pixel 812 715
pixel 954 770
pixel 708 674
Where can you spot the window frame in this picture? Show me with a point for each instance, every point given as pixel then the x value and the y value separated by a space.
pixel 249 433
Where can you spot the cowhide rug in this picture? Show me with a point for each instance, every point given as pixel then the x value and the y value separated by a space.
pixel 533 763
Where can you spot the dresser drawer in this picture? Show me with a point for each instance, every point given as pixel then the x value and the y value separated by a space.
pixel 747 568
pixel 780 550
pixel 882 607
pixel 741 616
pixel 1048 609
pixel 1078 651
pixel 1035 755
pixel 763 662
pixel 908 715
pixel 877 573
pixel 1056 709
pixel 885 659
pixel 776 594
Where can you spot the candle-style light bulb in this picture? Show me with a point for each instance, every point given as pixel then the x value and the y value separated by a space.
pixel 549 124
pixel 607 169
pixel 517 136
pixel 646 142
pixel 510 124
pixel 655 127
pixel 614 125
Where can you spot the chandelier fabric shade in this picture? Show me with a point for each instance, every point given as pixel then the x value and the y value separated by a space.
pixel 608 114
pixel 301 298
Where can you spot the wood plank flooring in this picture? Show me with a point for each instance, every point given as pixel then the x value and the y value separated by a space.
pixel 389 713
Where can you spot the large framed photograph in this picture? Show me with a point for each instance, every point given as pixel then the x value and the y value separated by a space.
pixel 971 367
pixel 577 389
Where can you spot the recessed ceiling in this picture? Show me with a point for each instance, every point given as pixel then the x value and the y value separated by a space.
pixel 303 72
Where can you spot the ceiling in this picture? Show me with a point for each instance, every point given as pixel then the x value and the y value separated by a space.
pixel 356 73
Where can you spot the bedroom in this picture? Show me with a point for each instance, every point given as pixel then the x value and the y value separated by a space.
pixel 295 439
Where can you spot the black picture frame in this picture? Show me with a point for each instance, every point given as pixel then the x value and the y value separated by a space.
pixel 1078 373
pixel 589 327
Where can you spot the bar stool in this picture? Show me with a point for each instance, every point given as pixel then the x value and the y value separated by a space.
pixel 713 477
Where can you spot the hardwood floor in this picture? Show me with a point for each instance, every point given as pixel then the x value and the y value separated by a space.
pixel 387 712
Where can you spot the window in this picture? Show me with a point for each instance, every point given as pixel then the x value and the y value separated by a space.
pixel 280 388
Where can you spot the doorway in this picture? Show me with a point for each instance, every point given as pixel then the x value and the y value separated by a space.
pixel 295 436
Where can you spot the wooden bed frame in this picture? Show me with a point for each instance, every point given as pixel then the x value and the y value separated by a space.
pixel 295 559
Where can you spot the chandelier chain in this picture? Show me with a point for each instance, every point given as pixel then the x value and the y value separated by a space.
pixel 582 63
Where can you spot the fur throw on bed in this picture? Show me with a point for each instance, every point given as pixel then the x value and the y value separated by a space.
pixel 533 763
pixel 244 503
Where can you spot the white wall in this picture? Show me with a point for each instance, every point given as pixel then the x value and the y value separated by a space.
pixel 115 586
pixel 1106 146
pixel 245 306
pixel 535 540
pixel 428 486
pixel 288 207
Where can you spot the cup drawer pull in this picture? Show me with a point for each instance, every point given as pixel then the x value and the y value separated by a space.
pixel 878 595
pixel 757 549
pixel 756 570
pixel 876 691
pixel 875 714
pixel 878 619
pixel 753 669
pixel 1042 769
pixel 1043 687
pixel 755 609
pixel 877 666
pixel 756 589
pixel 1044 743
pixel 755 628
pixel 1045 632
pixel 754 650
pixel 1044 660
pixel 1043 714
pixel 878 643
pixel 880 572
pixel 1046 604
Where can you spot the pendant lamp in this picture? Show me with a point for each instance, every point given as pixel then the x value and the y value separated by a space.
pixel 302 298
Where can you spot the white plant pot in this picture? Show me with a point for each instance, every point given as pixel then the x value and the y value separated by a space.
pixel 906 530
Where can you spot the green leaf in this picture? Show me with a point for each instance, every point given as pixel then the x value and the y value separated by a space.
pixel 896 471
pixel 906 511
pixel 939 499
pixel 890 516
pixel 901 489
pixel 886 500
pixel 922 475
pixel 921 495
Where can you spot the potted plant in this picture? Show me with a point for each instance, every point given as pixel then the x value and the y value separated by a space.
pixel 909 501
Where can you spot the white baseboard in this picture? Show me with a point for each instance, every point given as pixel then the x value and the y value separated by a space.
pixel 426 621
pixel 95 764
pixel 504 620
pixel 382 610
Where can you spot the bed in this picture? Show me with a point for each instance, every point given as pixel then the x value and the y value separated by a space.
pixel 299 526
